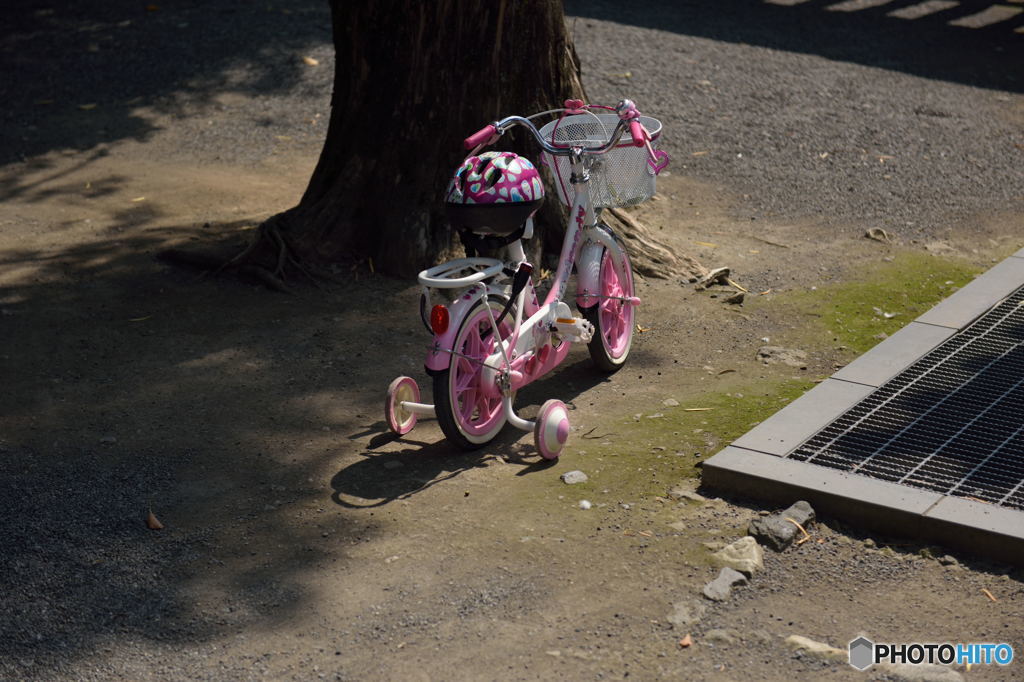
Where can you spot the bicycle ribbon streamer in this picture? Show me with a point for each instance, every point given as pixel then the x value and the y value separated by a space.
pixel 627 111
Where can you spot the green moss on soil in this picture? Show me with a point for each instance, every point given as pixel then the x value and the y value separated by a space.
pixel 853 314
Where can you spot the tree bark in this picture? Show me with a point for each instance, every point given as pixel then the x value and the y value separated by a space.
pixel 412 80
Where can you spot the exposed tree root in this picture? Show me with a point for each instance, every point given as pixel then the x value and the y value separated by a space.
pixel 650 257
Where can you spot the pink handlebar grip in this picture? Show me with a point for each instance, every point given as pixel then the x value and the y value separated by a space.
pixel 637 131
pixel 481 136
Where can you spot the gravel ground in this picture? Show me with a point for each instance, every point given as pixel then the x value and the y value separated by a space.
pixel 835 117
pixel 300 542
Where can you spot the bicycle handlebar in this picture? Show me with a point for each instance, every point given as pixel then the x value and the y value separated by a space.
pixel 481 136
pixel 504 124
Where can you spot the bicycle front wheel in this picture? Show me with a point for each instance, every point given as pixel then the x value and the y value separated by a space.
pixel 613 315
pixel 470 413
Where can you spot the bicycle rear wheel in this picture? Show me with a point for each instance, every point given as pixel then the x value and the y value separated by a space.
pixel 470 413
pixel 613 316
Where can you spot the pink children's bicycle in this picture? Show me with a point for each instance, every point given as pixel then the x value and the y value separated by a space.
pixel 492 336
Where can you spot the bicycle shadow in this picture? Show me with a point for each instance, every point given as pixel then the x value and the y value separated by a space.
pixel 383 475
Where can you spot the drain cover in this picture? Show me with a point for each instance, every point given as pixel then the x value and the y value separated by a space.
pixel 951 423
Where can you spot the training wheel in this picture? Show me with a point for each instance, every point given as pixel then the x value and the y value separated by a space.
pixel 400 420
pixel 552 429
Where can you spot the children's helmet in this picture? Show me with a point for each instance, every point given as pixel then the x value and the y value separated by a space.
pixel 494 193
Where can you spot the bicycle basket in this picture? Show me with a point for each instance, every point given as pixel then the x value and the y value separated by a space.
pixel 620 177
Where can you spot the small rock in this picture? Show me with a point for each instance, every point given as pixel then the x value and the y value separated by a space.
pixel 735 299
pixel 670 402
pixel 721 636
pixel 744 555
pixel 771 355
pixel 720 588
pixel 817 649
pixel 573 477
pixel 776 532
pixel 585 504
pixel 679 493
pixel 687 613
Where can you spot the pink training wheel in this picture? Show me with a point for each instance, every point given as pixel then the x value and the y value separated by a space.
pixel 401 390
pixel 551 429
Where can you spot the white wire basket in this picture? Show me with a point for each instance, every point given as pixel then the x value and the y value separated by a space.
pixel 620 177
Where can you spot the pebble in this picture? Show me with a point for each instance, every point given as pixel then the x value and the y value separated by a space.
pixel 686 614
pixel 776 531
pixel 744 555
pixel 670 402
pixel 720 588
pixel 573 477
pixel 585 504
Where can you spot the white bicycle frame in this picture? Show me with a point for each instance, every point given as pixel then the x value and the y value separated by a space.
pixel 582 245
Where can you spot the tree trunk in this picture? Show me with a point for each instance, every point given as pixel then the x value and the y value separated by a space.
pixel 412 80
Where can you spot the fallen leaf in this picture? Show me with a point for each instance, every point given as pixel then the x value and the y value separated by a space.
pixel 686 642
pixel 152 522
pixel 765 292
pixel 879 235
pixel 642 329
pixel 310 61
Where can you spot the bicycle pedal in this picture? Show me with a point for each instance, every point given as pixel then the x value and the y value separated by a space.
pixel 574 329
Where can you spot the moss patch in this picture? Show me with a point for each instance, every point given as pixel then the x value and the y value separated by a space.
pixel 886 297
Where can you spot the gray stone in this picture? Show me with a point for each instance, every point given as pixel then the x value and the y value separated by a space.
pixel 775 531
pixel 687 613
pixel 720 588
pixel 816 649
pixel 720 636
pixel 744 555
pixel 771 355
pixel 679 493
pixel 575 476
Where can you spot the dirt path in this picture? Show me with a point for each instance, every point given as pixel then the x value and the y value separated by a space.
pixel 301 542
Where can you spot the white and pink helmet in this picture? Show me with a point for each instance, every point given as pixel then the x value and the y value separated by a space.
pixel 494 193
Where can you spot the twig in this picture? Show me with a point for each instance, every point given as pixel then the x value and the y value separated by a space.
pixel 988 594
pixel 746 291
pixel 768 241
pixel 806 537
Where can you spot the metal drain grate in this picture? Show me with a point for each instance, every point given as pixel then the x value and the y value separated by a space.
pixel 952 423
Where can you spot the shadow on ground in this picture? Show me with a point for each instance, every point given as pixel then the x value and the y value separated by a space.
pixel 129 387
pixel 77 74
pixel 955 43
